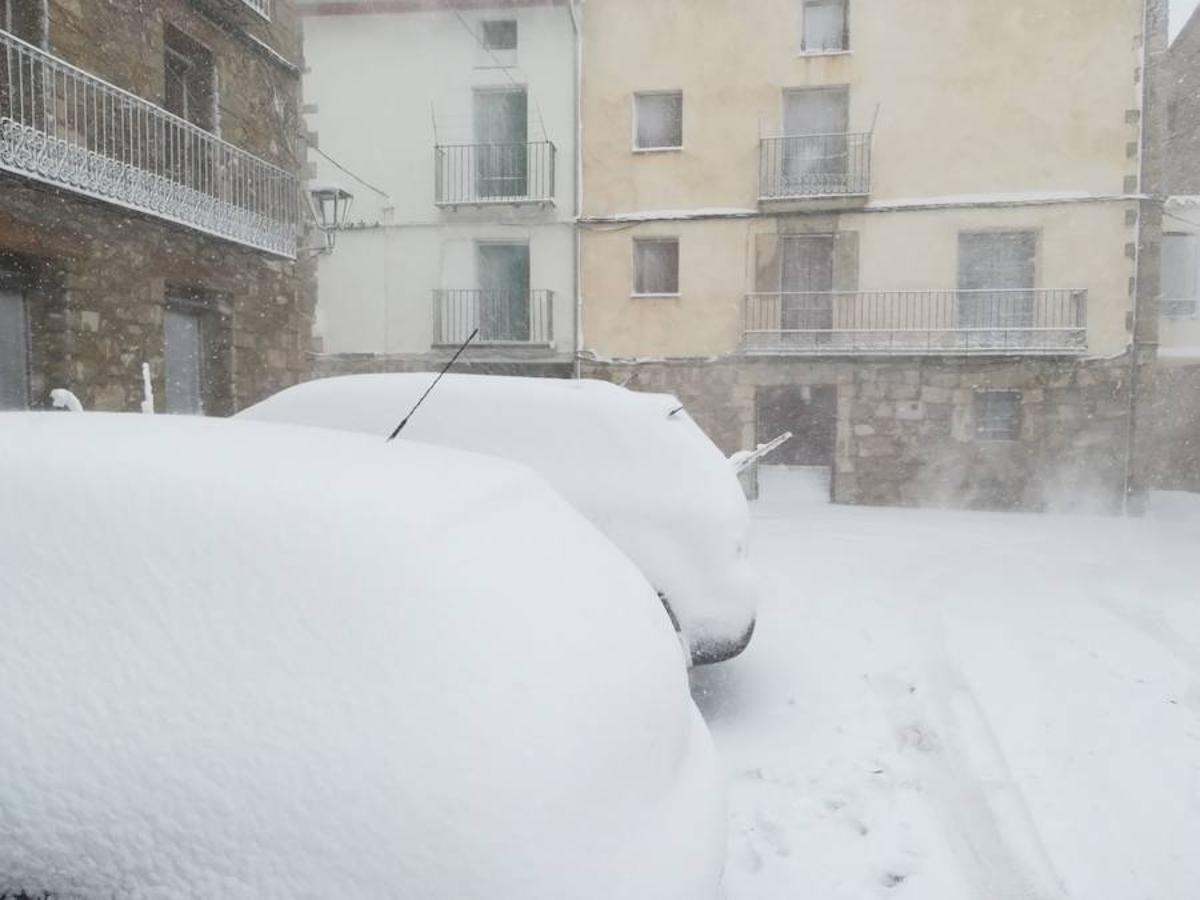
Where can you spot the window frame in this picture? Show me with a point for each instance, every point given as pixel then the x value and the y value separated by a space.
pixel 845 41
pixel 181 47
pixel 993 435
pixel 665 148
pixel 638 243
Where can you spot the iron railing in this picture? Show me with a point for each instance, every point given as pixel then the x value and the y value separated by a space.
pixel 65 127
pixel 1178 309
pixel 476 174
pixel 502 317
pixel 814 165
pixel 261 7
pixel 917 323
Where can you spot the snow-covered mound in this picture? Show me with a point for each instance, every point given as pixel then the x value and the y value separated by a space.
pixel 635 464
pixel 243 660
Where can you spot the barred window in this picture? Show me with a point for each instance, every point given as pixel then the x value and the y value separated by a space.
pixel 658 121
pixel 998 415
pixel 656 267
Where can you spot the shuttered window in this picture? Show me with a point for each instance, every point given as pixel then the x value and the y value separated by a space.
pixel 658 121
pixel 656 267
pixel 824 26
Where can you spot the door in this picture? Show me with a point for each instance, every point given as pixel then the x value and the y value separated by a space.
pixel 14 350
pixel 504 292
pixel 815 121
pixel 808 412
pixel 184 362
pixel 501 136
pixel 806 285
pixel 996 275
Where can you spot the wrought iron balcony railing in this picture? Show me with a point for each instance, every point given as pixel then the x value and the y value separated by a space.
pixel 478 174
pixel 70 129
pixel 917 323
pixel 502 317
pixel 814 165
pixel 261 7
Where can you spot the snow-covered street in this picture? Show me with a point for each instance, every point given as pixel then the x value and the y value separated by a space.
pixel 963 705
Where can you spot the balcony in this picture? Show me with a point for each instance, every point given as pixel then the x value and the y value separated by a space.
pixel 69 129
pixel 488 174
pixel 504 318
pixel 917 323
pixel 814 167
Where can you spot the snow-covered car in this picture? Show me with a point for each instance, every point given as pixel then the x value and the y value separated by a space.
pixel 634 463
pixel 253 660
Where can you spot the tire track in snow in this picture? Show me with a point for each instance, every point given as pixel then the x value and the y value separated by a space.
pixel 961 764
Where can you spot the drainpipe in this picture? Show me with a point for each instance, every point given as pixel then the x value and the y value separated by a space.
pixel 1147 265
pixel 578 200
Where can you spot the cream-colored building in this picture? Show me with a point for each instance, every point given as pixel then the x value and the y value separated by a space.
pixel 915 234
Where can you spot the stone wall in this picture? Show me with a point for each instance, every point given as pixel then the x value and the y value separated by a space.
pixel 97 277
pixel 907 431
pixel 1176 415
pixel 472 362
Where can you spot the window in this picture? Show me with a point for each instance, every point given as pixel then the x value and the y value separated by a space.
pixel 998 415
pixel 1180 274
pixel 184 335
pixel 658 121
pixel 502 134
pixel 14 350
pixel 190 79
pixel 503 292
pixel 26 19
pixel 656 267
pixel 825 26
pixel 500 34
pixel 996 274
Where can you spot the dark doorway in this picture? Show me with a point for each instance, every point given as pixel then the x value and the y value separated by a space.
pixel 808 412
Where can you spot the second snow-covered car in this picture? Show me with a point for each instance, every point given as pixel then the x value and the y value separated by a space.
pixel 634 463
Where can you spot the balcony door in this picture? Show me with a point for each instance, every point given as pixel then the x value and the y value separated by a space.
pixel 501 136
pixel 996 276
pixel 504 292
pixel 815 122
pixel 806 285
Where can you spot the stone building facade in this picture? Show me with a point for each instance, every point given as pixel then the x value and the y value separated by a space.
pixel 914 236
pixel 152 213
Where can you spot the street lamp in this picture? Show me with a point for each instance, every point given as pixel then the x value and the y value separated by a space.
pixel 330 207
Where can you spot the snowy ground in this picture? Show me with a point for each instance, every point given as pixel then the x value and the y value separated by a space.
pixel 948 705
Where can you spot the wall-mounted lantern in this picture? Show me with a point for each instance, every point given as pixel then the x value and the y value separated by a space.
pixel 330 207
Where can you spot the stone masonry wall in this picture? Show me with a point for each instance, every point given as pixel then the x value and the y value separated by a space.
pixel 96 311
pixel 906 429
pixel 97 276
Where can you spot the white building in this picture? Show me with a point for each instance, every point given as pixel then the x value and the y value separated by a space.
pixel 454 124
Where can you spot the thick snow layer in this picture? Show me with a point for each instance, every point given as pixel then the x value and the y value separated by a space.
pixel 242 660
pixel 635 464
pixel 964 706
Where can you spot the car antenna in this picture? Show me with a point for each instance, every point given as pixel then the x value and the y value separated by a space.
pixel 445 369
pixel 677 409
